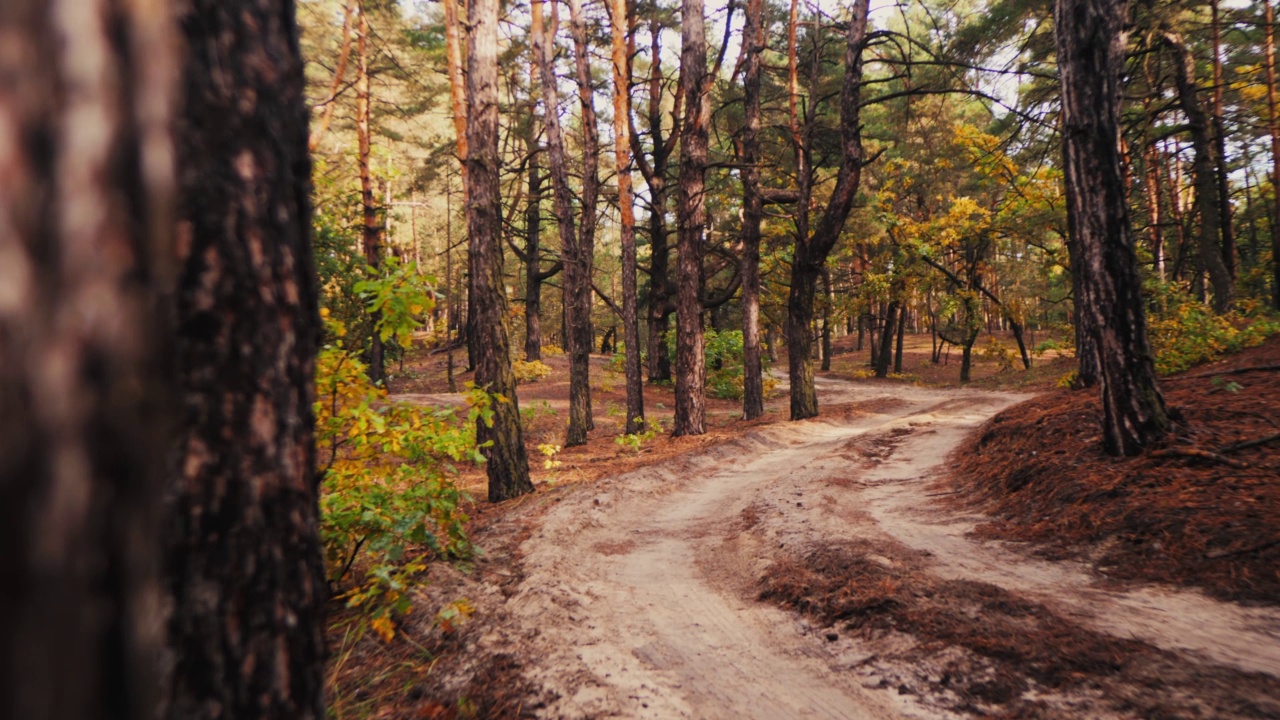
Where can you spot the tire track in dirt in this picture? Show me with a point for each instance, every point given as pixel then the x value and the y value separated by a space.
pixel 638 592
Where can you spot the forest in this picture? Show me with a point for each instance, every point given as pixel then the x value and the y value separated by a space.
pixel 648 358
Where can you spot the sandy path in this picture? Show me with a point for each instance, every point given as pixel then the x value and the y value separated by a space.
pixel 636 599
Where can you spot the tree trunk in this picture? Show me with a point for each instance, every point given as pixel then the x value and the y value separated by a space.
pixel 828 300
pixel 533 272
pixel 884 357
pixel 1273 128
pixel 580 264
pixel 902 331
pixel 660 306
pixel 812 251
pixel 371 240
pixel 690 410
pixel 543 40
pixel 507 461
pixel 84 210
pixel 620 25
pixel 1220 149
pixel 1090 42
pixel 1207 198
pixel 966 357
pixel 339 72
pixel 244 559
pixel 1154 216
pixel 454 39
pixel 753 44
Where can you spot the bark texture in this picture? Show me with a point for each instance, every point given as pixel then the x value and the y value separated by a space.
pixel 620 25
pixel 753 44
pixel 244 560
pixel 508 461
pixel 691 208
pixel 85 186
pixel 1090 41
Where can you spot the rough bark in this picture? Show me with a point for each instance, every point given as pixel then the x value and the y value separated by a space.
pixel 1208 201
pixel 690 410
pixel 620 26
pixel 1090 42
pixel 581 261
pixel 85 189
pixel 752 211
pixel 507 460
pixel 244 561
pixel 812 249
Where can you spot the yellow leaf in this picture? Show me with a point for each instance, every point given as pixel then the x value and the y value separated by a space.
pixel 384 628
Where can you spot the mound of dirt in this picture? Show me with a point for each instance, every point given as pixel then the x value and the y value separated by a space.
pixel 1203 509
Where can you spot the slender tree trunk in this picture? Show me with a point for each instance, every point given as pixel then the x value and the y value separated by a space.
pixel 812 250
pixel 85 229
pixel 884 357
pixel 533 276
pixel 828 300
pixel 557 165
pixel 1220 149
pixel 1090 42
pixel 454 39
pixel 508 462
pixel 580 264
pixel 966 357
pixel 902 331
pixel 1207 197
pixel 339 72
pixel 690 411
pixel 753 43
pixel 620 25
pixel 1273 128
pixel 1154 217
pixel 371 240
pixel 661 292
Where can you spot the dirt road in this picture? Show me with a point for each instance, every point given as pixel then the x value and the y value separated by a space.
pixel 639 594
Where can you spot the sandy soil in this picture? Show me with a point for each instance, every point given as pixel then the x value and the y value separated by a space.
pixel 637 596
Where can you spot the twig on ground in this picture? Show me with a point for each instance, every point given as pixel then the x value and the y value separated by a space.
pixel 1219 554
pixel 1198 453
pixel 1249 443
pixel 1229 371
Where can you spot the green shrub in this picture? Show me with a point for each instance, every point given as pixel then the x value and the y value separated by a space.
pixel 388 503
pixel 1185 332
pixel 723 351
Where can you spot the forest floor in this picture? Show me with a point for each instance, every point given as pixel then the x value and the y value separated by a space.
pixel 846 566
